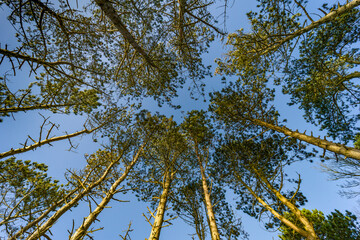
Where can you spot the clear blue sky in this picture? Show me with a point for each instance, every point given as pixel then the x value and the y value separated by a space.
pixel 321 193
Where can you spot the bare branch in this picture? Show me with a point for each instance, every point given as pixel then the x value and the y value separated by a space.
pixel 51 221
pixel 303 8
pixel 127 232
pixel 45 141
pixel 29 59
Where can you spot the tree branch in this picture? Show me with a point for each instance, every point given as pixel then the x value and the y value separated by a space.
pixel 322 143
pixel 82 230
pixel 46 141
pixel 329 17
pixel 110 12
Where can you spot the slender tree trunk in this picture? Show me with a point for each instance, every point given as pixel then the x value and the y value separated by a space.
pixel 276 214
pixel 160 212
pixel 200 230
pixel 210 213
pixel 307 225
pixel 41 230
pixel 110 12
pixel 322 143
pixel 82 230
pixel 211 216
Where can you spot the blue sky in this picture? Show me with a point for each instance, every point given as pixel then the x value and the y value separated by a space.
pixel 321 193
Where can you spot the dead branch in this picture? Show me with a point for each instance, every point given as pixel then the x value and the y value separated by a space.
pixel 45 141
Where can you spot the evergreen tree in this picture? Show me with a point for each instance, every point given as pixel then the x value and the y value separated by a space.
pixel 336 225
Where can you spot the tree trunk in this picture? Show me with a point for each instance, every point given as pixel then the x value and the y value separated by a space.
pixel 322 143
pixel 41 230
pixel 160 212
pixel 110 12
pixel 275 213
pixel 82 230
pixel 210 213
pixel 307 225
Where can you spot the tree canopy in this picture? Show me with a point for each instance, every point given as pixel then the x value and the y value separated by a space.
pixel 99 62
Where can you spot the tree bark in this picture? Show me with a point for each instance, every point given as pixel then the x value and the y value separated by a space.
pixel 110 12
pixel 160 212
pixel 322 143
pixel 275 213
pixel 82 230
pixel 307 225
pixel 210 213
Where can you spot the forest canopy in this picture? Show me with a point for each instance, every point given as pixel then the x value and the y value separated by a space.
pixel 96 64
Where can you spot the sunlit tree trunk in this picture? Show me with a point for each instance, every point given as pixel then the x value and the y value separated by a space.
pixel 307 225
pixel 322 143
pixel 41 230
pixel 210 213
pixel 308 233
pixel 160 212
pixel 82 230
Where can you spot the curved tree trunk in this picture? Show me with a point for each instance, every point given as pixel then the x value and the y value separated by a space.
pixel 307 225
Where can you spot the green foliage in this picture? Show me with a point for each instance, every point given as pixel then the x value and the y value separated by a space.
pixel 246 147
pixel 357 141
pixel 80 59
pixel 323 79
pixel 236 106
pixel 268 154
pixel 26 192
pixel 197 127
pixel 272 21
pixel 165 154
pixel 200 132
pixel 335 226
pixel 189 205
pixel 82 63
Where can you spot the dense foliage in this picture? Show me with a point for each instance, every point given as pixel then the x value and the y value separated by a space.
pixel 334 226
pixel 26 192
